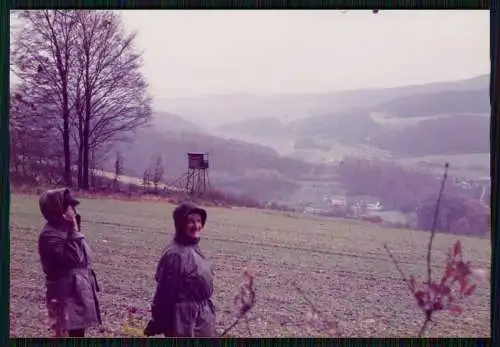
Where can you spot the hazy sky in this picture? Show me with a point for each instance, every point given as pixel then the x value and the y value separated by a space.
pixel 188 52
pixel 205 52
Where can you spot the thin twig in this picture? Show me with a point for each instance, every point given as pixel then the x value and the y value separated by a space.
pixel 318 312
pixel 434 224
pixel 248 326
pixel 398 268
pixel 247 299
pixel 305 297
pixel 428 312
pixel 424 326
pixel 235 323
pixel 230 327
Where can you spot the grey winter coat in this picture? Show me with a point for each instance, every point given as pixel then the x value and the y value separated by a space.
pixel 182 305
pixel 66 261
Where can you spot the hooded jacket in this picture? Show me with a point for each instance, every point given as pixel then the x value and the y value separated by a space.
pixel 182 305
pixel 66 261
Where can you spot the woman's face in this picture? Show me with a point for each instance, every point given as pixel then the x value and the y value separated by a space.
pixel 70 213
pixel 193 225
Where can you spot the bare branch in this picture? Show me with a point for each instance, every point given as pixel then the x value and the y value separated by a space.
pixel 245 299
pixel 434 223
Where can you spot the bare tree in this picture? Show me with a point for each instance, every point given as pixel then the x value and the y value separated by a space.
pixel 118 168
pixel 158 174
pixel 41 57
pixel 146 180
pixel 35 152
pixel 83 67
pixel 78 120
pixel 114 91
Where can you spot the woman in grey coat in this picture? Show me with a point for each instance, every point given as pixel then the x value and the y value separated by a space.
pixel 182 305
pixel 65 256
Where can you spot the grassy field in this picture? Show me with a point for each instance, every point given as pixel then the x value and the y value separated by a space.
pixel 341 266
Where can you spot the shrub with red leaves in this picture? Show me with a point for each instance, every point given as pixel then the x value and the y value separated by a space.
pixel 444 295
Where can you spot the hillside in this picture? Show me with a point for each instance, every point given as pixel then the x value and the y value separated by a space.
pixel 264 146
pixel 258 127
pixel 172 123
pixel 450 135
pixel 445 119
pixel 237 166
pixel 213 111
pixel 349 128
pixel 474 101
pixel 462 114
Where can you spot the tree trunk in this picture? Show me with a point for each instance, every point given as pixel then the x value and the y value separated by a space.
pixel 80 164
pixel 86 128
pixel 80 149
pixel 66 145
pixel 93 180
pixel 86 155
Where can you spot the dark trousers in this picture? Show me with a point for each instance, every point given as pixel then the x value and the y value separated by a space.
pixel 76 333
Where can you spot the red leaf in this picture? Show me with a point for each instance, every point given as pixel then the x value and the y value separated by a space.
pixel 450 272
pixel 435 288
pixel 463 269
pixel 457 248
pixel 455 309
pixel 438 306
pixel 448 300
pixel 420 296
pixel 463 284
pixel 470 290
pixel 445 290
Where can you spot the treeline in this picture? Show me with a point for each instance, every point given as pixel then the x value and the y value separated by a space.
pixel 457 215
pixel 412 191
pixel 79 91
pixel 397 188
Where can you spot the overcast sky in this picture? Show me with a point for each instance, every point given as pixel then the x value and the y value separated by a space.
pixel 188 52
pixel 210 52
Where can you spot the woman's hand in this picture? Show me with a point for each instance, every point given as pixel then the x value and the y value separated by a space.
pixel 70 216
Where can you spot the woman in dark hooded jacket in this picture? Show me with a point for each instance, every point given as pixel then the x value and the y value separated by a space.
pixel 65 256
pixel 182 305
